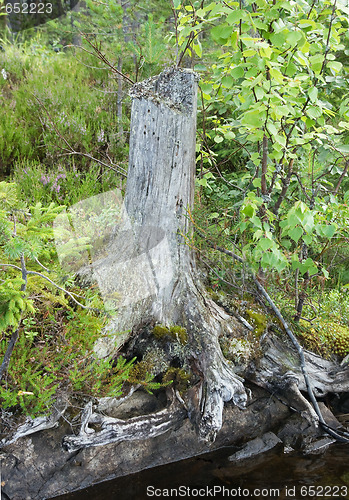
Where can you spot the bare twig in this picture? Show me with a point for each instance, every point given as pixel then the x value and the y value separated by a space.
pixel 97 53
pixel 71 151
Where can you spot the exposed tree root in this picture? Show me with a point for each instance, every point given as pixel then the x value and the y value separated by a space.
pixel 113 430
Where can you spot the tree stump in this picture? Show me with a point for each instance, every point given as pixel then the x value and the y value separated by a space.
pixel 149 262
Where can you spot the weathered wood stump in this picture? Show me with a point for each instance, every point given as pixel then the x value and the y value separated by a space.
pixel 159 196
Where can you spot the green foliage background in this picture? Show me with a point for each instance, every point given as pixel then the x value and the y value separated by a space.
pixel 272 162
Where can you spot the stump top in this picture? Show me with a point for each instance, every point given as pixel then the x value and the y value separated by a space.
pixel 174 87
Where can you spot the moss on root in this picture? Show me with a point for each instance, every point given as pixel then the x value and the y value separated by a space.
pixel 325 337
pixel 174 332
pixel 179 377
pixel 258 320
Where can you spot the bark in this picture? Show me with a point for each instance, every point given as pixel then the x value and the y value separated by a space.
pixel 264 166
pixel 280 372
pixel 36 467
pixel 149 266
pixel 341 178
pixel 115 430
pixel 285 186
pixel 119 103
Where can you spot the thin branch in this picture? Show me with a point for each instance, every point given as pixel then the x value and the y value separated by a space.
pixel 176 30
pixel 71 151
pixel 97 53
pixel 118 170
pixel 264 166
pixel 60 288
pixel 41 265
pixel 340 180
pixel 302 187
pixel 11 265
pixel 286 183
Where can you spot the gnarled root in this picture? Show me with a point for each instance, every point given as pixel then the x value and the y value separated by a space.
pixel 220 385
pixel 114 430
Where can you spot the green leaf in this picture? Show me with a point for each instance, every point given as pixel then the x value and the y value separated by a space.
pixel 276 75
pixel 291 69
pixel 229 135
pixel 257 234
pixel 278 39
pixel 316 62
pixel 280 139
pixel 343 149
pixel 271 128
pixel 236 16
pixel 292 221
pixel 293 37
pixel 295 233
pixel 307 238
pixel 265 244
pixel 328 230
pixel 314 112
pixel 227 81
pixel 325 272
pixel 313 93
pixel 259 92
pixel 237 72
pixel 256 221
pixel 234 39
pixel 308 266
pixel 248 210
pixel 252 118
pixel 206 87
pixel 334 66
pixel 221 33
pixel 218 139
pixel 198 48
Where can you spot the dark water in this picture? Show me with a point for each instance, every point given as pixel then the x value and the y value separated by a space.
pixel 272 475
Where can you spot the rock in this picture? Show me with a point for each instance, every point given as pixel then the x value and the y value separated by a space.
pixel 255 447
pixel 318 446
pixel 296 433
pixel 328 416
pixel 36 467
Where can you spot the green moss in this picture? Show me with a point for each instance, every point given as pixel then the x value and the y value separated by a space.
pixel 325 337
pixel 140 371
pixel 160 331
pixel 236 350
pixel 179 377
pixel 175 332
pixel 179 333
pixel 259 321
